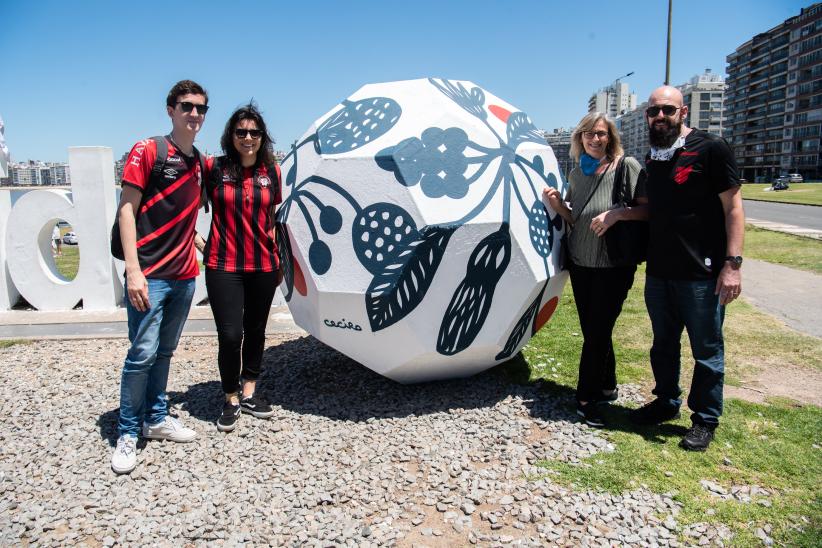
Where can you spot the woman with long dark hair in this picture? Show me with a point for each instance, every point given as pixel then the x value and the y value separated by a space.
pixel 600 286
pixel 241 259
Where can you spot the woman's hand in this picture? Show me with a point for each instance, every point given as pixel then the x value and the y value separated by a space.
pixel 554 197
pixel 602 222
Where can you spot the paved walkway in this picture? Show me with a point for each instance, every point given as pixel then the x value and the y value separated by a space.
pixel 793 296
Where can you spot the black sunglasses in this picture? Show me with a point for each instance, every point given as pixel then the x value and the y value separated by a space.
pixel 243 133
pixel 188 107
pixel 667 110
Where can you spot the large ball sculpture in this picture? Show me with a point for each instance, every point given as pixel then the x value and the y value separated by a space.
pixel 412 231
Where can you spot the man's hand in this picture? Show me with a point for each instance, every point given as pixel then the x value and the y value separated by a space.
pixel 137 290
pixel 729 284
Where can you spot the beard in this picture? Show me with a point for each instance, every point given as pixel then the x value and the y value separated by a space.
pixel 664 135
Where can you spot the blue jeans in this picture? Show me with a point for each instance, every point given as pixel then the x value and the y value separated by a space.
pixel 154 335
pixel 672 305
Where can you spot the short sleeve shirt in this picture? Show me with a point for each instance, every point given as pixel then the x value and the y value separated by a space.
pixel 168 211
pixel 687 222
pixel 586 248
pixel 241 238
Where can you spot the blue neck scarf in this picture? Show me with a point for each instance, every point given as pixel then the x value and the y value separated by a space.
pixel 588 163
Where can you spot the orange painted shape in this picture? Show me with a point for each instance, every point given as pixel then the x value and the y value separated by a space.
pixel 500 112
pixel 299 279
pixel 546 313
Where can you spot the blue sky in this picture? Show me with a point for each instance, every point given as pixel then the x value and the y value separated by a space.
pixel 96 73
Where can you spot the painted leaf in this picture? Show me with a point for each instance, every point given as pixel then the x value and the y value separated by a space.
pixel 286 259
pixel 522 327
pixel 545 313
pixel 520 129
pixel 469 306
pixel 402 284
pixel 356 124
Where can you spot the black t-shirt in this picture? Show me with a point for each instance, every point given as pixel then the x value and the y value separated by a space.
pixel 687 222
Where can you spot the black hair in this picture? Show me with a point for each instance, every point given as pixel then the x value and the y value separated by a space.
pixel 185 87
pixel 265 156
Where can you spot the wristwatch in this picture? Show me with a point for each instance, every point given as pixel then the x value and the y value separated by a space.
pixel 735 260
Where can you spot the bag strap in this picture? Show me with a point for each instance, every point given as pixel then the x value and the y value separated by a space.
pixel 620 183
pixel 160 160
pixel 591 195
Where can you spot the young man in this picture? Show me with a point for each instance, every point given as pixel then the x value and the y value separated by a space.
pixel 157 214
pixel 694 258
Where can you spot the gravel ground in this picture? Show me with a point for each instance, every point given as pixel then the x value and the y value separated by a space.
pixel 349 459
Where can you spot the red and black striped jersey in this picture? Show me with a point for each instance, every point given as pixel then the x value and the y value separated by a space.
pixel 242 220
pixel 168 211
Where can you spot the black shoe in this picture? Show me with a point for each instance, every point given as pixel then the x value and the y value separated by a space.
pixel 253 405
pixel 655 412
pixel 228 420
pixel 698 438
pixel 607 398
pixel 590 414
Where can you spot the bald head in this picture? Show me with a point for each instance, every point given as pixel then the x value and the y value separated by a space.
pixel 666 95
pixel 666 116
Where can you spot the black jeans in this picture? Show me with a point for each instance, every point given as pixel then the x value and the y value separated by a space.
pixel 599 294
pixel 241 303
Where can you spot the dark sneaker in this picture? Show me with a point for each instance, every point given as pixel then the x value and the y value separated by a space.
pixel 698 438
pixel 590 414
pixel 655 412
pixel 608 397
pixel 228 420
pixel 253 405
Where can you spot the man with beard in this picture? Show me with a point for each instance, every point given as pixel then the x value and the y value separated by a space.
pixel 694 258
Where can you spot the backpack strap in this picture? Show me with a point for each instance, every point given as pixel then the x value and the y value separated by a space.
pixel 160 160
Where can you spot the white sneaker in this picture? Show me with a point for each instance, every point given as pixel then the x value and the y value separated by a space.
pixel 169 429
pixel 124 458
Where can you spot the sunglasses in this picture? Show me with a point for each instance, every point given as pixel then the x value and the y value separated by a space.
pixel 667 110
pixel 243 133
pixel 592 134
pixel 188 107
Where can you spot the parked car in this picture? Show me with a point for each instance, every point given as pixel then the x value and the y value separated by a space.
pixel 796 177
pixel 70 238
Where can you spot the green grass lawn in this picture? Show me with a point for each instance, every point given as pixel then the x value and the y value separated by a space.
pixel 776 446
pixel 798 193
pixel 785 249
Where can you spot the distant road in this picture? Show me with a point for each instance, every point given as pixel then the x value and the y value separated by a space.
pixel 804 216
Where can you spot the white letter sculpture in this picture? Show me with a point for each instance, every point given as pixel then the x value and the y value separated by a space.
pixel 413 233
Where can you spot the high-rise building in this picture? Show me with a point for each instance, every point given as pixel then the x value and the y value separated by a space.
pixel 633 130
pixel 773 103
pixel 703 95
pixel 613 100
pixel 33 173
pixel 560 142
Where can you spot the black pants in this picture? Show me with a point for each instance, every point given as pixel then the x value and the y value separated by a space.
pixel 599 294
pixel 241 302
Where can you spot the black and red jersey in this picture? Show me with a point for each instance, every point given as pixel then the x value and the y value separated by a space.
pixel 168 210
pixel 242 220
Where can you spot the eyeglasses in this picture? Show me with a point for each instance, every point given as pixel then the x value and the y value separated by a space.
pixel 592 134
pixel 667 110
pixel 188 107
pixel 243 133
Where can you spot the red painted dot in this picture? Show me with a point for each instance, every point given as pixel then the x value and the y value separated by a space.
pixel 546 313
pixel 500 112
